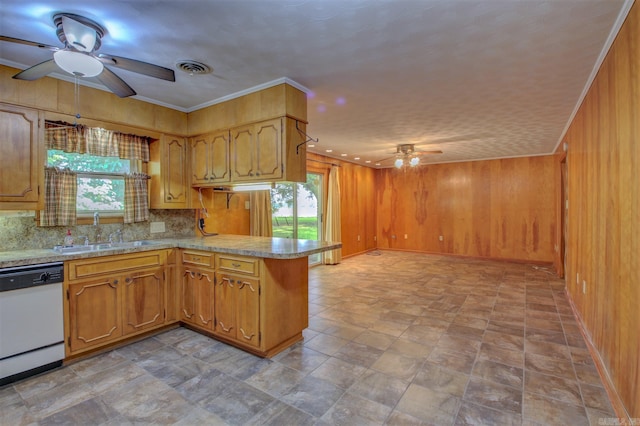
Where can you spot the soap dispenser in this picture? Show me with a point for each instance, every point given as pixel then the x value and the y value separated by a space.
pixel 68 239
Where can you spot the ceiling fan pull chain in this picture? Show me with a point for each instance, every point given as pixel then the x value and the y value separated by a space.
pixel 76 97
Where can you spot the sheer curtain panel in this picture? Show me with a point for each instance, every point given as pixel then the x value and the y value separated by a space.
pixel 332 224
pixel 260 205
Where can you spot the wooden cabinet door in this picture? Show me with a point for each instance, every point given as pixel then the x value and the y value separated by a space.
pixel 225 306
pixel 204 299
pixel 188 296
pixel 210 159
pixel 268 149
pixel 143 300
pixel 197 297
pixel 94 312
pixel 169 187
pixel 256 151
pixel 176 178
pixel 243 166
pixel 248 311
pixel 21 168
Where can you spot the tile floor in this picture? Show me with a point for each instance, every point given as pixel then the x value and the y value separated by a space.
pixel 393 338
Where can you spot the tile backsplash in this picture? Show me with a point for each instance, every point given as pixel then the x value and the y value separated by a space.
pixel 18 230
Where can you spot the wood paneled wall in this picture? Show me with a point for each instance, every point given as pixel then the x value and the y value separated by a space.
pixel 604 214
pixel 357 202
pixel 232 219
pixel 498 209
pixel 56 98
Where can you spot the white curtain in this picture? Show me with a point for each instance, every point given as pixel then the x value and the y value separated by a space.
pixel 332 222
pixel 260 211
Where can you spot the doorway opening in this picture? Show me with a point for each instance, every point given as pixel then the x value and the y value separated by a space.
pixel 297 211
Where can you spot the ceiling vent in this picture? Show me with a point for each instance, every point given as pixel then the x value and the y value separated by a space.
pixel 193 67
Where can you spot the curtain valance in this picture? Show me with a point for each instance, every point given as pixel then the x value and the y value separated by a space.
pixel 95 141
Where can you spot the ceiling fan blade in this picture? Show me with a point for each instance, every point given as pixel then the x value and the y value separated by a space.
pixel 28 43
pixel 385 159
pixel 435 151
pixel 138 67
pixel 115 83
pixel 37 71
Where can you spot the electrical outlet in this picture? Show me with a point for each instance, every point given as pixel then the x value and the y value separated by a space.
pixel 375 238
pixel 247 205
pixel 441 238
pixel 406 236
pixel 156 227
pixel 358 237
pixel 584 287
pixel 577 278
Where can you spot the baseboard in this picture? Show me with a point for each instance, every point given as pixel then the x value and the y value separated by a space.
pixel 544 263
pixel 616 402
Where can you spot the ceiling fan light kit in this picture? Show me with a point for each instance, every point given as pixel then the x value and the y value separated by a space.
pixel 77 63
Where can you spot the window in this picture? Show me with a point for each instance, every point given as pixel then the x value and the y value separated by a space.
pixel 100 180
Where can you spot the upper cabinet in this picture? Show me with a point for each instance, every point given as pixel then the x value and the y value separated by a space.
pixel 265 151
pixel 210 159
pixel 169 187
pixel 22 159
pixel 256 151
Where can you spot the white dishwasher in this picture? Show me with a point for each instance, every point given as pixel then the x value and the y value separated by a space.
pixel 31 320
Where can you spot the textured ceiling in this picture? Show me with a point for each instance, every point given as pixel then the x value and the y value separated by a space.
pixel 476 79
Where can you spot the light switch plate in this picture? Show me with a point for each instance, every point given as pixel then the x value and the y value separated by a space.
pixel 156 227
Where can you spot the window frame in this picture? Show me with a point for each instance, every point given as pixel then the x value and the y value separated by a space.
pixel 84 217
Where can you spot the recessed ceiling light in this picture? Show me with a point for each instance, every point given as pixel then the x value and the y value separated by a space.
pixel 311 145
pixel 329 150
pixel 377 164
pixel 356 158
pixel 368 161
pixel 343 155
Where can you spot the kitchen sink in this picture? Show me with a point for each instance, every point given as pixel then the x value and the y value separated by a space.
pixel 137 243
pixel 77 249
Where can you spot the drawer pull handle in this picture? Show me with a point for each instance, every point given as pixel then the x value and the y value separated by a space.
pixel 245 335
pixel 236 265
pixel 127 280
pixel 115 282
pixel 226 330
pixel 244 283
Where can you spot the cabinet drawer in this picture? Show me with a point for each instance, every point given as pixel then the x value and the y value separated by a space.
pixel 243 265
pixel 198 258
pixel 85 268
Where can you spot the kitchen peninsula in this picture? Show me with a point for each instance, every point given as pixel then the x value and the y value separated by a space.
pixel 250 292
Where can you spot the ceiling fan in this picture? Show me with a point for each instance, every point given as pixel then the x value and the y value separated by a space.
pixel 406 155
pixel 82 37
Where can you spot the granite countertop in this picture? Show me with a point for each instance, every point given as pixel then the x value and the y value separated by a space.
pixel 266 247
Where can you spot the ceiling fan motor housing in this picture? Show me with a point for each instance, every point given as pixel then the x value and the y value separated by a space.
pixel 57 21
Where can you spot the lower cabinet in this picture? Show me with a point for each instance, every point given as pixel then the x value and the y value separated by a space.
pixel 94 313
pixel 113 297
pixel 237 308
pixel 259 305
pixel 197 297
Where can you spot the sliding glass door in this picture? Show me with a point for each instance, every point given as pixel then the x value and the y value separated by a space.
pixel 297 210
